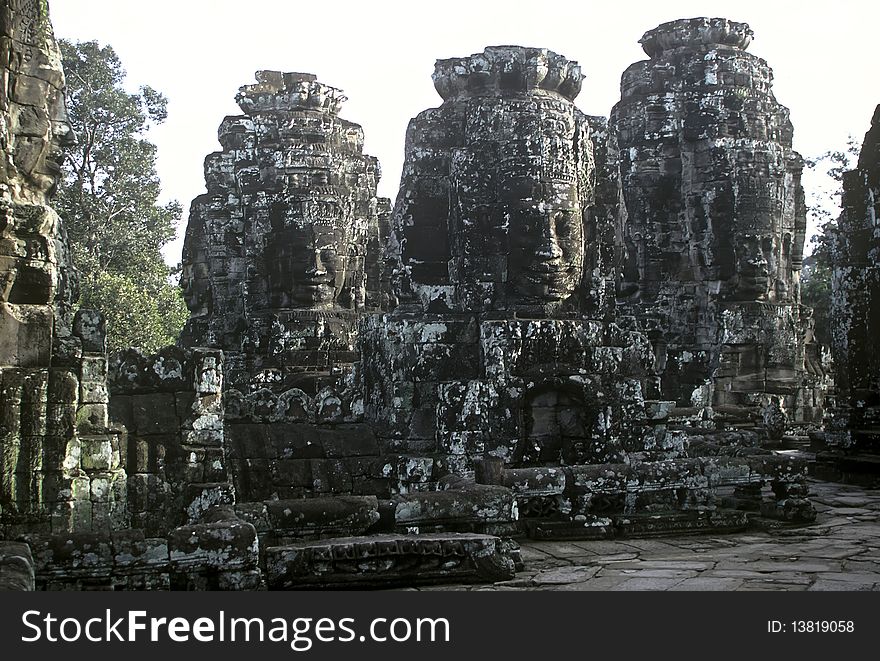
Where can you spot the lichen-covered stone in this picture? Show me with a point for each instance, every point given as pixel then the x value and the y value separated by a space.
pixel 504 394
pixel 277 254
pixel 504 343
pixel 492 212
pixel 715 224
pixel 855 299
pixel 59 463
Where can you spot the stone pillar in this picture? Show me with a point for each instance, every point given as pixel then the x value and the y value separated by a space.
pixel 284 250
pixel 716 223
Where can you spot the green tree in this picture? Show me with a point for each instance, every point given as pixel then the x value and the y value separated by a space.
pixel 824 206
pixel 108 198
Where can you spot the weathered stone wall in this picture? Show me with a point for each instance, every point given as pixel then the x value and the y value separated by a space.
pixel 284 250
pixel 856 303
pixel 504 394
pixel 455 388
pixel 171 407
pixel 715 224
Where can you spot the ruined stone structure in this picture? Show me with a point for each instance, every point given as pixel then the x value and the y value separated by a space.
pixel 276 262
pixel 490 349
pixel 367 396
pixel 505 355
pixel 59 463
pixel 715 226
pixel 855 431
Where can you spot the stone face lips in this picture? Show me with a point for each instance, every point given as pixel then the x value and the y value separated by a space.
pixel 496 186
pixel 276 256
pixel 856 299
pixel 716 219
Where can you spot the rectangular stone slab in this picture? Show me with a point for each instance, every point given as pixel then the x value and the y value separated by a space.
pixel 386 560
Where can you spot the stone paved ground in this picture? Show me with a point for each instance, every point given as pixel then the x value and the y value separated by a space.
pixel 840 552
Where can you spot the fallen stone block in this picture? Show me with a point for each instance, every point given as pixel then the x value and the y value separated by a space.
pixel 217 545
pixel 468 506
pixel 304 517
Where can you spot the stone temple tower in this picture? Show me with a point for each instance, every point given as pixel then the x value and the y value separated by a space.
pixel 856 307
pixel 503 342
pixel 277 254
pixel 716 224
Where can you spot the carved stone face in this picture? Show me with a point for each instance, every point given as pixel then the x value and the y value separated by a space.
pixel 755 264
pixel 47 168
pixel 546 246
pixel 196 288
pixel 306 266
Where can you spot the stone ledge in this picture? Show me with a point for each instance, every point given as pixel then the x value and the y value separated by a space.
pixel 386 560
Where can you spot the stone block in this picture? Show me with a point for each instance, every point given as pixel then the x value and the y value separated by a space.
pixel 154 413
pixel 222 545
pixel 346 515
pixel 97 453
pixel 348 441
pixel 90 327
pixel 388 560
pixel 16 567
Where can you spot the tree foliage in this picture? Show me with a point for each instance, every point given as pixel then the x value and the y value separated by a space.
pixel 824 207
pixel 109 200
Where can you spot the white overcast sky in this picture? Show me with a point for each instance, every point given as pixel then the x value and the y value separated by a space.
pixel 382 53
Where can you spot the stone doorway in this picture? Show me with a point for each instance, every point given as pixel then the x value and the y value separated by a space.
pixel 555 427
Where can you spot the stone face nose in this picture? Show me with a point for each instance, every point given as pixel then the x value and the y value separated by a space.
pixel 316 267
pixel 549 248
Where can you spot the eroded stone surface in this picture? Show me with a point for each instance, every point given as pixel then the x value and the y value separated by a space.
pixel 476 366
pixel 278 252
pixel 389 559
pixel 505 394
pixel 504 342
pixel 838 553
pixel 856 305
pixel 16 566
pixel 496 187
pixel 60 465
pixel 715 224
